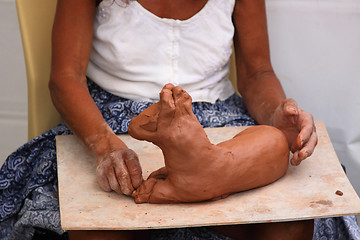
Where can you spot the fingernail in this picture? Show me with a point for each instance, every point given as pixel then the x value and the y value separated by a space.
pixel 291 108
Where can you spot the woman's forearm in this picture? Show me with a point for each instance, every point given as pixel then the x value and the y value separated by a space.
pixel 71 46
pixel 80 113
pixel 262 92
pixel 262 95
pixel 256 80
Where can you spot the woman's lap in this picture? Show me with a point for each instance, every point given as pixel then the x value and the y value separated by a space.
pixel 28 178
pixel 28 187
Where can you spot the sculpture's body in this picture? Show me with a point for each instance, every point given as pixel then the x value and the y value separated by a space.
pixel 195 169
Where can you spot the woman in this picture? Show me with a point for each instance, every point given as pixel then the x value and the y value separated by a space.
pixel 129 50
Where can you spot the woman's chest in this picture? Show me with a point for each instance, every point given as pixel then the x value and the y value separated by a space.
pixel 133 39
pixel 174 9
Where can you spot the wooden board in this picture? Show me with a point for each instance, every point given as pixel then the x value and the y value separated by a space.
pixel 305 192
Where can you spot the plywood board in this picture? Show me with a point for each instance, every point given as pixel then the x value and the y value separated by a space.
pixel 306 191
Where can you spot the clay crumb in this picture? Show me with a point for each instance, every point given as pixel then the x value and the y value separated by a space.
pixel 338 192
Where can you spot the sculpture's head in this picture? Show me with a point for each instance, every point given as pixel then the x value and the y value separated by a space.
pixel 155 123
pixel 144 126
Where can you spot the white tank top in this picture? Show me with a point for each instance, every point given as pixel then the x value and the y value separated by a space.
pixel 135 53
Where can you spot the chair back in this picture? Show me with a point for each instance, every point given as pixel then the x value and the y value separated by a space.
pixel 232 75
pixel 36 20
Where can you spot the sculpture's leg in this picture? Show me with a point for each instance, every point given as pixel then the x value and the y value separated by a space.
pixel 182 101
pixel 161 173
pixel 155 190
pixel 167 108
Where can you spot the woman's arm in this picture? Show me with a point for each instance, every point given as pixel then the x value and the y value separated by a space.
pixel 71 45
pixel 260 88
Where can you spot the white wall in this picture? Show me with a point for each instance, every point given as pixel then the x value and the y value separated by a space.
pixel 315 49
pixel 13 95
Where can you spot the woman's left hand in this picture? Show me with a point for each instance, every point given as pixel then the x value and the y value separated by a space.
pixel 298 127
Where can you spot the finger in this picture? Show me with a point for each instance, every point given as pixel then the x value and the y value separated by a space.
pixel 304 135
pixel 134 168
pixel 291 110
pixel 112 179
pixel 295 161
pixel 306 126
pixel 123 177
pixel 309 147
pixel 102 179
pixel 294 147
pixel 290 107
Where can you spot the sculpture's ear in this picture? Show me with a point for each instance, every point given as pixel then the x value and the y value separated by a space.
pixel 150 125
pixel 142 131
pixel 144 126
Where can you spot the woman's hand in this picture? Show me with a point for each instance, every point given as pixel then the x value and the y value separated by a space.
pixel 118 167
pixel 298 127
pixel 119 171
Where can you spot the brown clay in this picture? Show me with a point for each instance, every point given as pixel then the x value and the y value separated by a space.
pixel 195 169
pixel 338 192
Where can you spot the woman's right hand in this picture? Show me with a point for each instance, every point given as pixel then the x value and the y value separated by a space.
pixel 119 171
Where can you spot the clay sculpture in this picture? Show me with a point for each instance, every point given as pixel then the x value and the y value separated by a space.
pixel 195 169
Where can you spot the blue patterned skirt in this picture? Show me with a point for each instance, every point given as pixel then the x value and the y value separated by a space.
pixel 28 178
